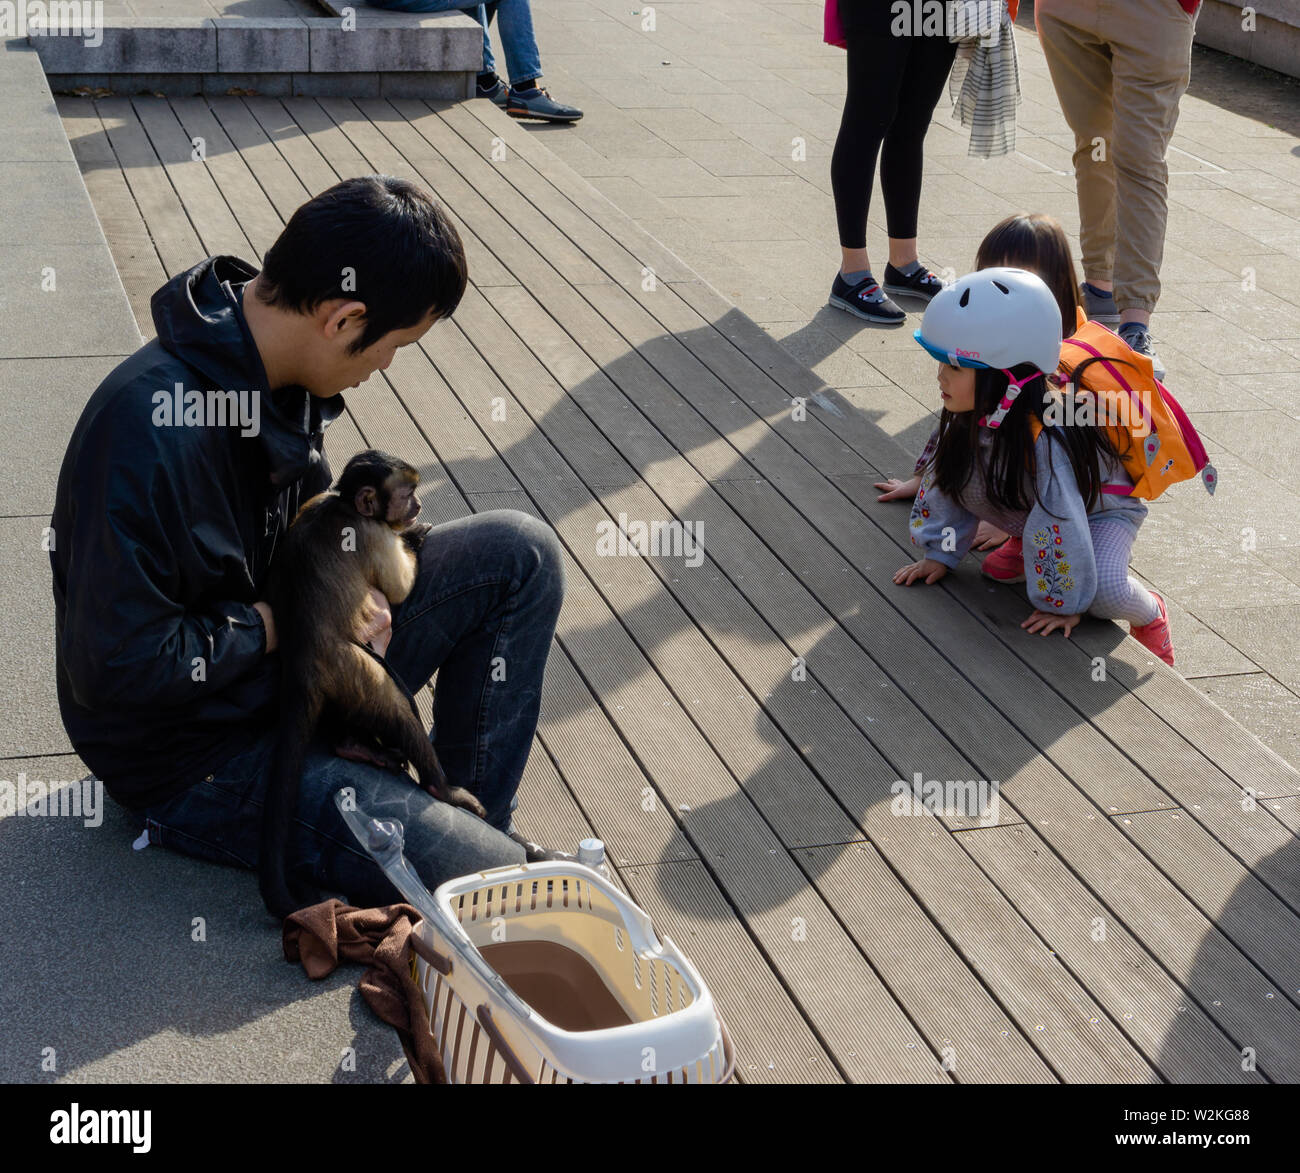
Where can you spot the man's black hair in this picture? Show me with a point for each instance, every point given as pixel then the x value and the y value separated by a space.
pixel 375 239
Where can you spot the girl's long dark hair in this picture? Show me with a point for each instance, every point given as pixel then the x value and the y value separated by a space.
pixel 1034 241
pixel 1010 481
pixel 1037 242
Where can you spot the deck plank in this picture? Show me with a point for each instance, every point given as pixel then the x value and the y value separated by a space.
pixel 257 150
pixel 134 251
pixel 216 224
pixel 258 219
pixel 168 224
pixel 1188 1041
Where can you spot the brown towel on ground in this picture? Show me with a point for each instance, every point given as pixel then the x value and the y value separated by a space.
pixel 325 934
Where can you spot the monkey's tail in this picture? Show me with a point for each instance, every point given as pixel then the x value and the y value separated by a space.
pixel 298 719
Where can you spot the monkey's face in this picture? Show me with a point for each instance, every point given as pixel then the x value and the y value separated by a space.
pixel 394 502
pixel 403 505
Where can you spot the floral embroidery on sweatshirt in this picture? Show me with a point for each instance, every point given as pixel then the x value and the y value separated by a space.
pixel 1050 565
pixel 920 510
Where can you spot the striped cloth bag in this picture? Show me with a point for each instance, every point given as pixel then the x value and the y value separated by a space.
pixel 985 82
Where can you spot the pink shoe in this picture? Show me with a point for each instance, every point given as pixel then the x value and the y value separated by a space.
pixel 1006 563
pixel 1154 636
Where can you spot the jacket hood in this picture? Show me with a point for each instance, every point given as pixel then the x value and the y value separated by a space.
pixel 198 318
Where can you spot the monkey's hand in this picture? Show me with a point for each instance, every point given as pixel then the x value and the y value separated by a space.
pixel 414 535
pixel 456 796
pixel 376 622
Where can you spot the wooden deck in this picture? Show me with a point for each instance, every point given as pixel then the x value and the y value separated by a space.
pixel 1125 920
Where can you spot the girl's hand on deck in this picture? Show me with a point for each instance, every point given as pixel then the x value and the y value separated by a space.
pixel 927 569
pixel 1049 621
pixel 896 490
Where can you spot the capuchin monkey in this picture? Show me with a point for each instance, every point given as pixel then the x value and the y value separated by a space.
pixel 341 544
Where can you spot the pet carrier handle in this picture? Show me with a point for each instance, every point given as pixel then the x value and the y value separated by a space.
pixel 511 1060
pixel 635 919
pixel 382 840
pixel 430 954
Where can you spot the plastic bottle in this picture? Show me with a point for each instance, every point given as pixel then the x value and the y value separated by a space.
pixel 591 852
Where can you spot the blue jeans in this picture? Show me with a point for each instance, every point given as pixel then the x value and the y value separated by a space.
pixel 482 613
pixel 516 24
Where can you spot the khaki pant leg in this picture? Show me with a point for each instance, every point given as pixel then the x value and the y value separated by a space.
pixel 1151 48
pixel 1079 62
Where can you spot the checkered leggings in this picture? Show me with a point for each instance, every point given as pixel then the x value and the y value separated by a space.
pixel 1119 595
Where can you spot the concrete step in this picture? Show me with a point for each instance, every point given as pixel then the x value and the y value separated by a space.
pixel 368 53
pixel 1266 32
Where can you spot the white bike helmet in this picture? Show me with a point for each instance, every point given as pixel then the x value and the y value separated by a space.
pixel 994 318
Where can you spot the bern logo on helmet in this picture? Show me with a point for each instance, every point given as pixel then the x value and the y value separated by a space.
pixel 966 353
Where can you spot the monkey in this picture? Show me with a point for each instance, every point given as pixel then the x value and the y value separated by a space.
pixel 342 543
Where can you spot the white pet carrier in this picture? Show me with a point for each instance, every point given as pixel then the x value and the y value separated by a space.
pixel 548 973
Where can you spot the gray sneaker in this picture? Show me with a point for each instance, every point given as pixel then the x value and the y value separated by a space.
pixel 537 103
pixel 497 93
pixel 1138 338
pixel 1098 309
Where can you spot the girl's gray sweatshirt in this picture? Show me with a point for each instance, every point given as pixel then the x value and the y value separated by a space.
pixel 1060 570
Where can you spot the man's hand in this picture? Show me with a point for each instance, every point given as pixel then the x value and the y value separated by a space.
pixel 1048 621
pixel 377 622
pixel 927 569
pixel 268 621
pixel 896 490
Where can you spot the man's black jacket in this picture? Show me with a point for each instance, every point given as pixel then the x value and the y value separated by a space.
pixel 162 541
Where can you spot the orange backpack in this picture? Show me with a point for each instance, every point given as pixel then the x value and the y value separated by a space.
pixel 1156 441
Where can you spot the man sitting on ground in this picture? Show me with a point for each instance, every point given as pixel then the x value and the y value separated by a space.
pixel 166 525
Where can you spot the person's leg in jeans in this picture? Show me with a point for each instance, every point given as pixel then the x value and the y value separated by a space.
pixel 526 98
pixel 1080 66
pixel 484 608
pixel 482 613
pixel 219 819
pixel 518 41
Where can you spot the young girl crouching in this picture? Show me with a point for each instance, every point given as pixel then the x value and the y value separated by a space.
pixel 1062 489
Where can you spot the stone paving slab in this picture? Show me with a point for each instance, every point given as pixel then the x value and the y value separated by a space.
pixel 80 309
pixel 40 402
pixel 150 1002
pixel 28 695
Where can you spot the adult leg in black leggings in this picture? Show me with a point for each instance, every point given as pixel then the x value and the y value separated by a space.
pixel 894 84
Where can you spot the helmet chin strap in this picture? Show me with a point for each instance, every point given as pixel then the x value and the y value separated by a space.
pixel 1014 387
